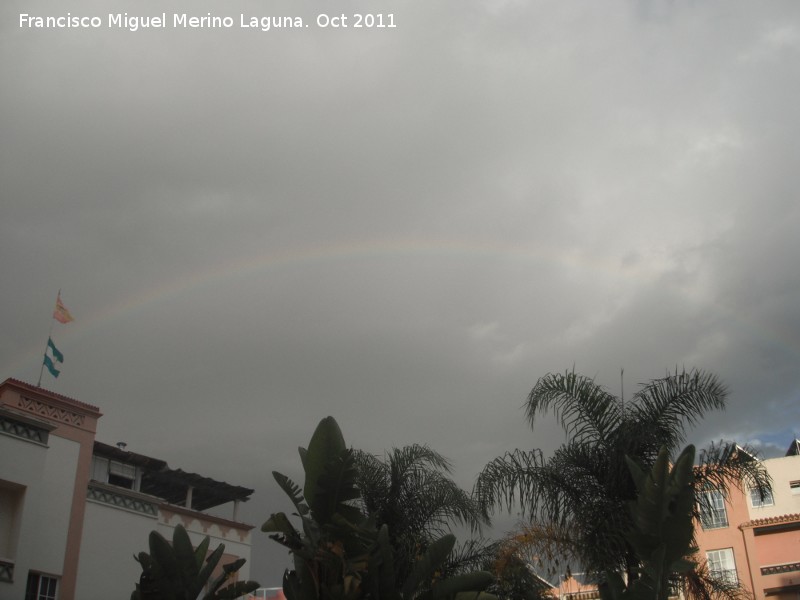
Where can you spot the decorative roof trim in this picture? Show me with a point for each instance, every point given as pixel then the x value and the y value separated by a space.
pixel 779 520
pixel 32 389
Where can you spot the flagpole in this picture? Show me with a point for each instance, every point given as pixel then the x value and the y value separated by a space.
pixel 49 335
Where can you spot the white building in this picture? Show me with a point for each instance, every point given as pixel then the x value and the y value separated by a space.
pixel 74 511
pixel 785 498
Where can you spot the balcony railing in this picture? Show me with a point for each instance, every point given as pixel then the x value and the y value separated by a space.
pixel 726 575
pixel 123 498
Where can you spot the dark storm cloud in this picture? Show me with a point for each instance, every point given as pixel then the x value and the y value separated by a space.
pixel 403 228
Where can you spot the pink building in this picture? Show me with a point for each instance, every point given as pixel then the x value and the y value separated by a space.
pixel 754 540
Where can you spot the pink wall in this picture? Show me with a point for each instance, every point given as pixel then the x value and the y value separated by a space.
pixel 778 548
pixel 729 537
pixel 777 545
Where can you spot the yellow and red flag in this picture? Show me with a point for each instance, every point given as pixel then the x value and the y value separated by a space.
pixel 61 314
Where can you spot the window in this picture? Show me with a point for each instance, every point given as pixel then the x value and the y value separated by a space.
pixel 113 472
pixel 794 486
pixel 722 565
pixel 121 474
pixel 712 510
pixel 41 587
pixel 756 501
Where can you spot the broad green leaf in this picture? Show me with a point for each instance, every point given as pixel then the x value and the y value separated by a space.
pixel 326 442
pixel 427 565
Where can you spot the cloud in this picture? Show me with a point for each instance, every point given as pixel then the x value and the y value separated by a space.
pixel 402 228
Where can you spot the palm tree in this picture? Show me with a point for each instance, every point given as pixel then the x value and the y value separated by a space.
pixel 410 490
pixel 576 502
pixel 341 554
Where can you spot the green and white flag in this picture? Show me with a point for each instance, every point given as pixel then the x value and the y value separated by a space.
pixel 49 361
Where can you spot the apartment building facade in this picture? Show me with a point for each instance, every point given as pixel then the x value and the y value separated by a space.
pixel 755 540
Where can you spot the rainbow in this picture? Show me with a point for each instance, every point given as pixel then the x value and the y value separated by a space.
pixel 574 263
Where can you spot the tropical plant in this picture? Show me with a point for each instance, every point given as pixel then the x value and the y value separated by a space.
pixel 576 500
pixel 341 554
pixel 702 584
pixel 410 491
pixel 662 530
pixel 179 571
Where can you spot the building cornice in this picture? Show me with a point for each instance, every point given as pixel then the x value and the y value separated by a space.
pixel 45 404
pixel 43 393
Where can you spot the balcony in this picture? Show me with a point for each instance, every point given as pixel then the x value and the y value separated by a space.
pixel 726 575
pixel 123 498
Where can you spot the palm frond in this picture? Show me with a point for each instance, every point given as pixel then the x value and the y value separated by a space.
pixel 413 458
pixel 372 478
pixel 410 491
pixel 587 412
pixel 509 479
pixel 702 584
pixel 724 466
pixel 666 406
pixel 571 489
pixel 544 543
pixel 472 555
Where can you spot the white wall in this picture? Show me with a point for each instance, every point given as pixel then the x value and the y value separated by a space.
pixel 782 470
pixel 111 538
pixel 48 474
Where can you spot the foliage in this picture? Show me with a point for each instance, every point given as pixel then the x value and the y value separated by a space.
pixel 340 553
pixel 476 553
pixel 178 571
pixel 701 584
pixel 662 529
pixel 515 578
pixel 410 492
pixel 578 498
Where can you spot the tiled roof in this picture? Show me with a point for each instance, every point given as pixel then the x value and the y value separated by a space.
pixel 779 520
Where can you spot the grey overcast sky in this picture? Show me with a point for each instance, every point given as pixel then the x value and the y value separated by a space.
pixel 400 227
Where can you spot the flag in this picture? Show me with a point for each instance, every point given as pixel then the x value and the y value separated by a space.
pixel 50 366
pixel 61 314
pixel 57 356
pixel 56 352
